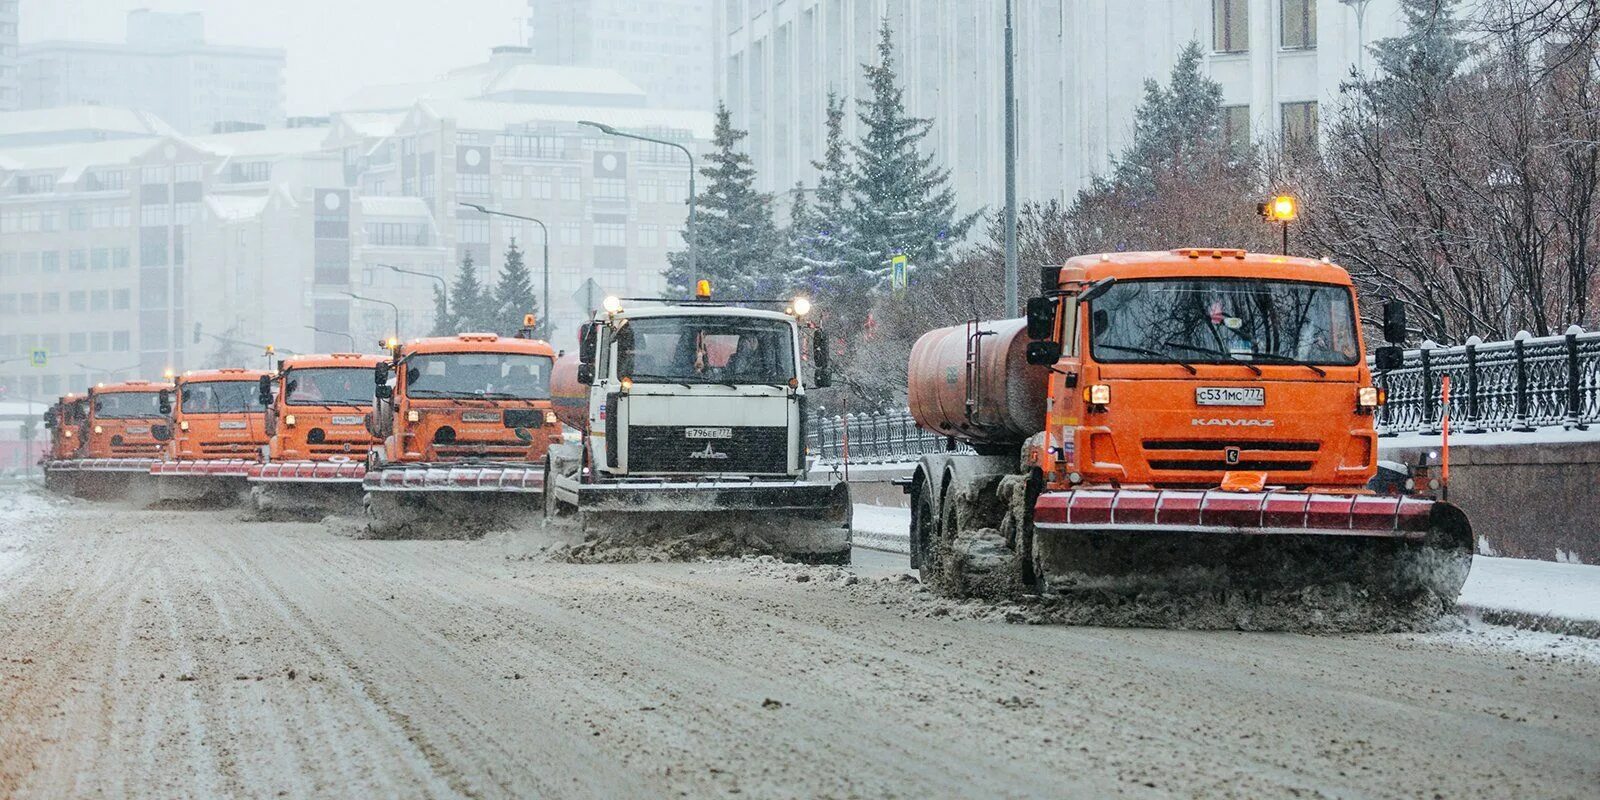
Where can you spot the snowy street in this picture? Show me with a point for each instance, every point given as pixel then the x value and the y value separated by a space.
pixel 187 653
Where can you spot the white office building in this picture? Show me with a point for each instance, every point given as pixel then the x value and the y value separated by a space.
pixel 165 67
pixel 665 46
pixel 10 76
pixel 1080 70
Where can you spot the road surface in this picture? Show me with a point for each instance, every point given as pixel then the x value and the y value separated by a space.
pixel 189 654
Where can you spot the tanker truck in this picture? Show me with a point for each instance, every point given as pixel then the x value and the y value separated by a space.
pixel 691 418
pixel 1194 423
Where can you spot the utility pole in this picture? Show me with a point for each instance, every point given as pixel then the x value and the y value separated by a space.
pixel 1011 168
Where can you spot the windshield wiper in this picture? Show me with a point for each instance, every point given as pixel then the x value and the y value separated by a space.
pixel 1279 358
pixel 1148 352
pixel 664 378
pixel 434 393
pixel 1230 359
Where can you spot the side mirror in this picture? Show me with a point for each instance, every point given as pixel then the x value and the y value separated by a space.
pixel 164 401
pixel 586 374
pixel 1044 354
pixel 1041 318
pixel 1394 322
pixel 383 391
pixel 264 390
pixel 49 422
pixel 162 433
pixel 586 344
pixel 1388 358
pixel 380 373
pixel 819 358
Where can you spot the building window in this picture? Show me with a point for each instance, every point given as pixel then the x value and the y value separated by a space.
pixel 1230 26
pixel 1236 126
pixel 154 175
pixel 511 187
pixel 649 235
pixel 77 342
pixel 78 260
pixel 1300 24
pixel 472 184
pixel 120 299
pixel 99 300
pixel 1300 124
pixel 571 234
pixel 571 187
pixel 99 258
pixel 120 341
pixel 188 173
pixel 77 219
pixel 610 189
pixel 474 231
pixel 49 262
pixel 99 342
pixel 77 301
pixel 541 187
pixel 51 303
pixel 610 234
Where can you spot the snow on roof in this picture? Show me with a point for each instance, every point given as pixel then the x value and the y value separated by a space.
pixel 396 96
pixel 484 115
pixel 276 141
pixel 481 80
pixel 379 206
pixel 236 207
pixel 561 80
pixel 75 158
pixel 109 119
pixel 371 124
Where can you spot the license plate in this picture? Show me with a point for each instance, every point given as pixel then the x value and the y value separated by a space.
pixel 137 429
pixel 708 433
pixel 1230 396
pixel 480 416
pixel 232 425
pixel 344 420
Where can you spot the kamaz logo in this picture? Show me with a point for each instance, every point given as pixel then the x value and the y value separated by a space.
pixel 1232 423
pixel 708 453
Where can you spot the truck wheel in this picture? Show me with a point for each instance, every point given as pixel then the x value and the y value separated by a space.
pixel 553 507
pixel 925 519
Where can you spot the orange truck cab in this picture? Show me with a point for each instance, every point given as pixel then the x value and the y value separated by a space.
pixel 317 407
pixel 122 418
pixel 66 420
pixel 216 415
pixel 472 397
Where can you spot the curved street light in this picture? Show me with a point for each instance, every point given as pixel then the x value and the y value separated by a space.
pixel 694 270
pixel 336 333
pixel 396 308
pixel 543 326
pixel 444 288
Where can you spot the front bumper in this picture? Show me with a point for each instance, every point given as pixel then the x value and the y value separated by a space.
pixel 1243 513
pixel 344 472
pixel 204 468
pixel 131 465
pixel 698 496
pixel 456 478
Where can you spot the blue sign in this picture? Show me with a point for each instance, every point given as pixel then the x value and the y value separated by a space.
pixel 38 358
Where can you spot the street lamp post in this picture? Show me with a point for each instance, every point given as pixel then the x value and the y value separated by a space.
pixel 444 288
pixel 543 326
pixel 694 269
pixel 1011 167
pixel 336 333
pixel 396 308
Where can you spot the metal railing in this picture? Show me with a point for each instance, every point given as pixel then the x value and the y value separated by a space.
pixel 1521 385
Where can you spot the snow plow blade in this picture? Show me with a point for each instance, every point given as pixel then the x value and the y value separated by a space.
pixel 216 480
pixel 1400 557
pixel 451 500
pixel 306 489
pixel 100 478
pixel 643 520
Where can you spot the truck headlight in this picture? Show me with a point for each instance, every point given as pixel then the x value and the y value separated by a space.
pixel 98 429
pixel 1369 397
pixel 184 425
pixel 413 416
pixel 550 418
pixel 1098 394
pixel 67 434
pixel 288 420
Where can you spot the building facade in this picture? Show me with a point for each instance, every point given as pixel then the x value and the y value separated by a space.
pixel 165 67
pixel 1080 69
pixel 664 46
pixel 10 72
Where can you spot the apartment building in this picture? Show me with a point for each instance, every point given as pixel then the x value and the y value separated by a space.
pixel 1080 69
pixel 664 46
pixel 10 75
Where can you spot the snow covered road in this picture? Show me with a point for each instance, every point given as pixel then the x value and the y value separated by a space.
pixel 186 653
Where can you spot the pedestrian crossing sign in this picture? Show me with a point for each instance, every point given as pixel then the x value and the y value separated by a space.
pixel 39 358
pixel 897 270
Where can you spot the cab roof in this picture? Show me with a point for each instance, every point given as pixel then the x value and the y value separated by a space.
pixel 478 343
pixel 691 308
pixel 130 386
pixel 227 374
pixel 1207 262
pixel 307 361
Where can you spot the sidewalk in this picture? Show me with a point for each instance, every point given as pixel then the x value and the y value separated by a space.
pixel 1535 595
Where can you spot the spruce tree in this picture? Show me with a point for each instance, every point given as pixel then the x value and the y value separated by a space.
pixel 468 299
pixel 1173 123
pixel 820 234
pixel 443 325
pixel 900 202
pixel 513 295
pixel 738 242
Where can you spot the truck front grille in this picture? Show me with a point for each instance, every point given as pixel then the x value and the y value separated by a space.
pixel 666 449
pixel 1210 455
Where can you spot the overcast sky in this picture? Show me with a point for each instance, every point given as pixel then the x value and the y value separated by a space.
pixel 334 46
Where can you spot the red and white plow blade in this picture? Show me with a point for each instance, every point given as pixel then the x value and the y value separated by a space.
pixel 456 478
pixel 1216 511
pixel 210 468
pixel 308 472
pixel 139 465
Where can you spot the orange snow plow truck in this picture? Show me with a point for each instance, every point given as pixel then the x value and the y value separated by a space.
pixel 1166 426
pixel 118 440
pixel 317 407
pixel 215 431
pixel 465 422
pixel 65 421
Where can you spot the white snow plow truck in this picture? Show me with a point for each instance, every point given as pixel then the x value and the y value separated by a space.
pixel 692 434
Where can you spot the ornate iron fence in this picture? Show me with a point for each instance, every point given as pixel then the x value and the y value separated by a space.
pixel 1520 385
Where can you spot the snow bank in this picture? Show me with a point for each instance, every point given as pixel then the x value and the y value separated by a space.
pixel 1540 588
pixel 884 528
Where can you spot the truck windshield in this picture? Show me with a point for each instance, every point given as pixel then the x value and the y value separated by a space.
pixel 220 397
pixel 329 386
pixel 514 376
pixel 1220 320
pixel 127 405
pixel 706 349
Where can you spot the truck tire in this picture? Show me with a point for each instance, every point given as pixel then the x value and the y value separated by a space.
pixel 925 531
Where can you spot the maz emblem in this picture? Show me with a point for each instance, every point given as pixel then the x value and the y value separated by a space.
pixel 708 453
